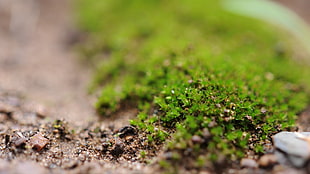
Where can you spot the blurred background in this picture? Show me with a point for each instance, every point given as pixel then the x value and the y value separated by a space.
pixel 301 7
pixel 35 59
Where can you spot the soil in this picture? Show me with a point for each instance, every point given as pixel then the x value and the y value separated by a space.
pixel 47 122
pixel 57 146
pixel 36 60
pixel 43 89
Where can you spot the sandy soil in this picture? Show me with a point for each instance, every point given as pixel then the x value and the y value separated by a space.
pixel 42 80
pixel 36 62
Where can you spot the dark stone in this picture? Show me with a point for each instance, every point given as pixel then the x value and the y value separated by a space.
pixel 127 131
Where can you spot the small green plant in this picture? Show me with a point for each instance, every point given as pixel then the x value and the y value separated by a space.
pixel 206 82
pixel 143 154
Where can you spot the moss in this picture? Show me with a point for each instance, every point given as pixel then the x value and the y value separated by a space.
pixel 193 70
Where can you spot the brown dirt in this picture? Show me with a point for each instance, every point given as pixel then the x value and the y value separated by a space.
pixel 28 136
pixel 36 62
pixel 43 89
pixel 42 81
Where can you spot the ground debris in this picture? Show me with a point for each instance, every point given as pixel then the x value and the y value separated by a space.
pixel 19 140
pixel 126 131
pixel 60 146
pixel 38 142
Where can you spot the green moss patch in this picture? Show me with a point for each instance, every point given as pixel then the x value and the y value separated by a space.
pixel 206 82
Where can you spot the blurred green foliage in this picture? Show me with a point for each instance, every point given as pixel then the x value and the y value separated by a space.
pixel 193 69
pixel 276 14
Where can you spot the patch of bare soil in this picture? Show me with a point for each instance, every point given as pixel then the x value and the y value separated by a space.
pixel 36 62
pixel 43 100
pixel 31 141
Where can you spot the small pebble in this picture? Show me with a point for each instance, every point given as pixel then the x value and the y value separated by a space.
pixel 19 141
pixel 206 133
pixel 41 111
pixel 204 172
pixel 38 142
pixel 82 157
pixel 249 117
pixel 263 110
pixel 129 138
pixel 197 139
pixel 212 124
pixel 267 160
pixel 248 163
pixel 226 111
pixel 127 131
pixel 294 146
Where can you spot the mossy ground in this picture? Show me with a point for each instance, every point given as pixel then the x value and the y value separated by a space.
pixel 206 82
